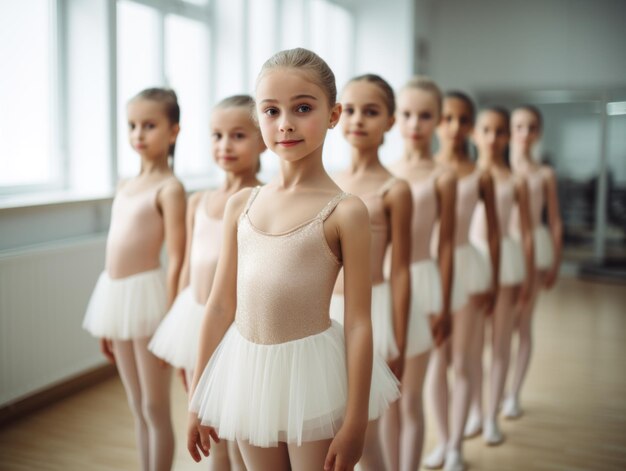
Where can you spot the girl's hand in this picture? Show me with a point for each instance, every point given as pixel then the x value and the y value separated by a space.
pixel 163 364
pixel 183 378
pixel 441 327
pixel 490 302
pixel 551 279
pixel 397 366
pixel 106 347
pixel 199 438
pixel 524 295
pixel 345 450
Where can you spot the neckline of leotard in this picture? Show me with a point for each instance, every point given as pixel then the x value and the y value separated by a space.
pixel 320 216
pixel 203 209
pixel 157 186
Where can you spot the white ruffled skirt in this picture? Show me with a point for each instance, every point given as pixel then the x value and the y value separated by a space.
pixel 544 250
pixel 290 392
pixel 512 264
pixel 127 308
pixel 426 300
pixel 472 274
pixel 382 322
pixel 176 339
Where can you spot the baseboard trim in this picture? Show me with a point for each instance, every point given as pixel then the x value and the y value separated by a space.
pixel 27 405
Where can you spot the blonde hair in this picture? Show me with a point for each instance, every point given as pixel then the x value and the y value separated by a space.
pixel 304 60
pixel 240 101
pixel 388 96
pixel 422 82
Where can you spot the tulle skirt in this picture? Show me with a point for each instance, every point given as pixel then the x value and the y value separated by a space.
pixel 544 250
pixel 127 308
pixel 382 322
pixel 290 392
pixel 176 339
pixel 512 264
pixel 472 274
pixel 426 299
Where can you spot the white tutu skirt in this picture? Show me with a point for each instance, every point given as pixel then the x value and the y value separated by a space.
pixel 426 300
pixel 127 308
pixel 512 264
pixel 176 339
pixel 290 392
pixel 382 322
pixel 544 251
pixel 472 274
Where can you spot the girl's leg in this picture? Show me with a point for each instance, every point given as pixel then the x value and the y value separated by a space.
pixel 503 322
pixel 412 409
pixel 512 408
pixel 218 456
pixel 372 458
pixel 125 362
pixel 437 387
pixel 390 430
pixel 309 456
pixel 234 455
pixel 155 382
pixel 265 459
pixel 474 423
pixel 466 320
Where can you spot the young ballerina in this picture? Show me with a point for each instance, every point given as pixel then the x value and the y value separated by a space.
pixel 491 135
pixel 368 106
pixel 273 371
pixel 526 126
pixel 131 295
pixel 434 200
pixel 236 147
pixel 475 279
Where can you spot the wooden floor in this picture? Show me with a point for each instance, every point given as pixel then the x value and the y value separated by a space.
pixel 575 402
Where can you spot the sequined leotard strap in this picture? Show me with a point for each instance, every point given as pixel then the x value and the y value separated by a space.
pixel 284 281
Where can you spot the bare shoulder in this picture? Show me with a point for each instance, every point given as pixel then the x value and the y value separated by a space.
pixel 237 202
pixel 400 189
pixel 351 212
pixel 547 173
pixel 446 179
pixel 173 188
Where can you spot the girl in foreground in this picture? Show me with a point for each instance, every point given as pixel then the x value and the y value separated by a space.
pixel 273 372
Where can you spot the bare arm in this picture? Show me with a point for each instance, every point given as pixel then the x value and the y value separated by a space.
pixel 173 203
pixel 219 314
pixel 555 223
pixel 352 222
pixel 487 191
pixel 399 206
pixel 523 201
pixel 194 200
pixel 446 196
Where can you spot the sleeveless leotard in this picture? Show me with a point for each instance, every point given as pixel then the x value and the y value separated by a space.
pixel 279 373
pixel 382 322
pixel 130 297
pixel 176 339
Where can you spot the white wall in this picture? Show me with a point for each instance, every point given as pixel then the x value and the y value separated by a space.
pixel 530 43
pixel 384 46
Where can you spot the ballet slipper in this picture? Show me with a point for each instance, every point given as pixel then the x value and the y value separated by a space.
pixel 473 427
pixel 436 458
pixel 454 461
pixel 492 434
pixel 511 408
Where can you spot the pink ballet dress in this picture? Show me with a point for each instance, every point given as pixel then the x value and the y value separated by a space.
pixel 472 273
pixel 512 267
pixel 279 374
pixel 382 322
pixel 543 245
pixel 130 298
pixel 176 339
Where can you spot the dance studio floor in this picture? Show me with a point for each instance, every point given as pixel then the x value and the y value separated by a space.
pixel 575 402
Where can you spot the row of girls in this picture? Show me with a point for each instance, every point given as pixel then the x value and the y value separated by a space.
pixel 305 313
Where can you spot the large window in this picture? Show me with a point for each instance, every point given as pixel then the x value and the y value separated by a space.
pixel 72 67
pixel 29 154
